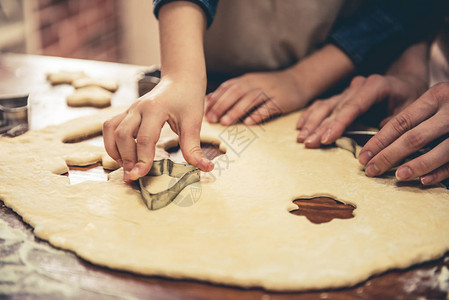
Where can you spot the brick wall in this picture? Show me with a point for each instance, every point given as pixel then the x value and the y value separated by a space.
pixel 88 29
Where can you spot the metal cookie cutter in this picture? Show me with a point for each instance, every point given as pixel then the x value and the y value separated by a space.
pixel 186 173
pixel 147 81
pixel 14 114
pixel 353 138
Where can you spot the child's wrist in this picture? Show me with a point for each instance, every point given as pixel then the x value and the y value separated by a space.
pixel 191 78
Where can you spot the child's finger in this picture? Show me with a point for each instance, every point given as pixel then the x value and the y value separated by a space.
pixel 147 137
pixel 126 144
pixel 189 142
pixel 109 128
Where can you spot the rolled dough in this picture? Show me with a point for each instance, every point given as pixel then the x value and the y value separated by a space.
pixel 240 231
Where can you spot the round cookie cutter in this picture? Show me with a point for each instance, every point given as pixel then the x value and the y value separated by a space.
pixel 14 114
pixel 147 81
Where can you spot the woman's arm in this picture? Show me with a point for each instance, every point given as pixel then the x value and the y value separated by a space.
pixel 278 92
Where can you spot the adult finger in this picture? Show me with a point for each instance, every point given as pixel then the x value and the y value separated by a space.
pixel 226 101
pixel 373 89
pixel 436 176
pixel 333 102
pixel 189 142
pixel 262 113
pixel 357 81
pixel 316 114
pixel 385 121
pixel 109 141
pixel 425 163
pixel 147 137
pixel 416 113
pixel 304 115
pixel 215 95
pixel 314 139
pixel 243 107
pixel 125 139
pixel 408 143
pixel 316 105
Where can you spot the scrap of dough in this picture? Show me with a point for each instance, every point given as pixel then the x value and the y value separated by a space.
pixel 157 184
pixel 240 231
pixel 107 84
pixel 62 77
pixel 90 96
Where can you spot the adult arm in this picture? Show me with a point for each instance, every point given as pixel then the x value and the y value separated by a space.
pixel 352 46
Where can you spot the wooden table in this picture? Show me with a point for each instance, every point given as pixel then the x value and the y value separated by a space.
pixel 62 270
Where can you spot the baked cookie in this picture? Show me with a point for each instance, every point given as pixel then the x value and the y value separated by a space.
pixel 90 96
pixel 62 77
pixel 107 84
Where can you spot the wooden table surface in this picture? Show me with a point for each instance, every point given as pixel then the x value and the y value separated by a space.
pixel 41 272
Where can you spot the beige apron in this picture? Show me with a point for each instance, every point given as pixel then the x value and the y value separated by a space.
pixel 256 35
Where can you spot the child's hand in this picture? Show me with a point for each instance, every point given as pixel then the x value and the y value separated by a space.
pixel 326 120
pixel 130 138
pixel 424 121
pixel 254 97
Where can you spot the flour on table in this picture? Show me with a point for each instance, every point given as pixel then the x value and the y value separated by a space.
pixel 28 269
pixel 239 231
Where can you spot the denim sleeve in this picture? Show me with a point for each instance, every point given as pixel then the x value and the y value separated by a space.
pixel 208 6
pixel 389 26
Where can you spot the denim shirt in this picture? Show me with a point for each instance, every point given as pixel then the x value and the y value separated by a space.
pixel 388 26
pixel 209 7
pixel 384 28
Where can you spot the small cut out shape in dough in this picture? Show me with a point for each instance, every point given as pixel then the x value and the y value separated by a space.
pixel 90 96
pixel 107 84
pixel 62 77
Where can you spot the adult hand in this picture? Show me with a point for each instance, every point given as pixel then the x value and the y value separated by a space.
pixel 255 97
pixel 130 137
pixel 424 121
pixel 326 120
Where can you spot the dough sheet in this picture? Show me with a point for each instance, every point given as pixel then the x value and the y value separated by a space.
pixel 237 229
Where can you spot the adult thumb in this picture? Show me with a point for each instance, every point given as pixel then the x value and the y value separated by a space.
pixel 189 142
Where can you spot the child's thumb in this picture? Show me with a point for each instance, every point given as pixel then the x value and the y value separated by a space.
pixel 189 142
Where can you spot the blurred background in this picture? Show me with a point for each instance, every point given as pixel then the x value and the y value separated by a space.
pixel 123 31
pixel 108 30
